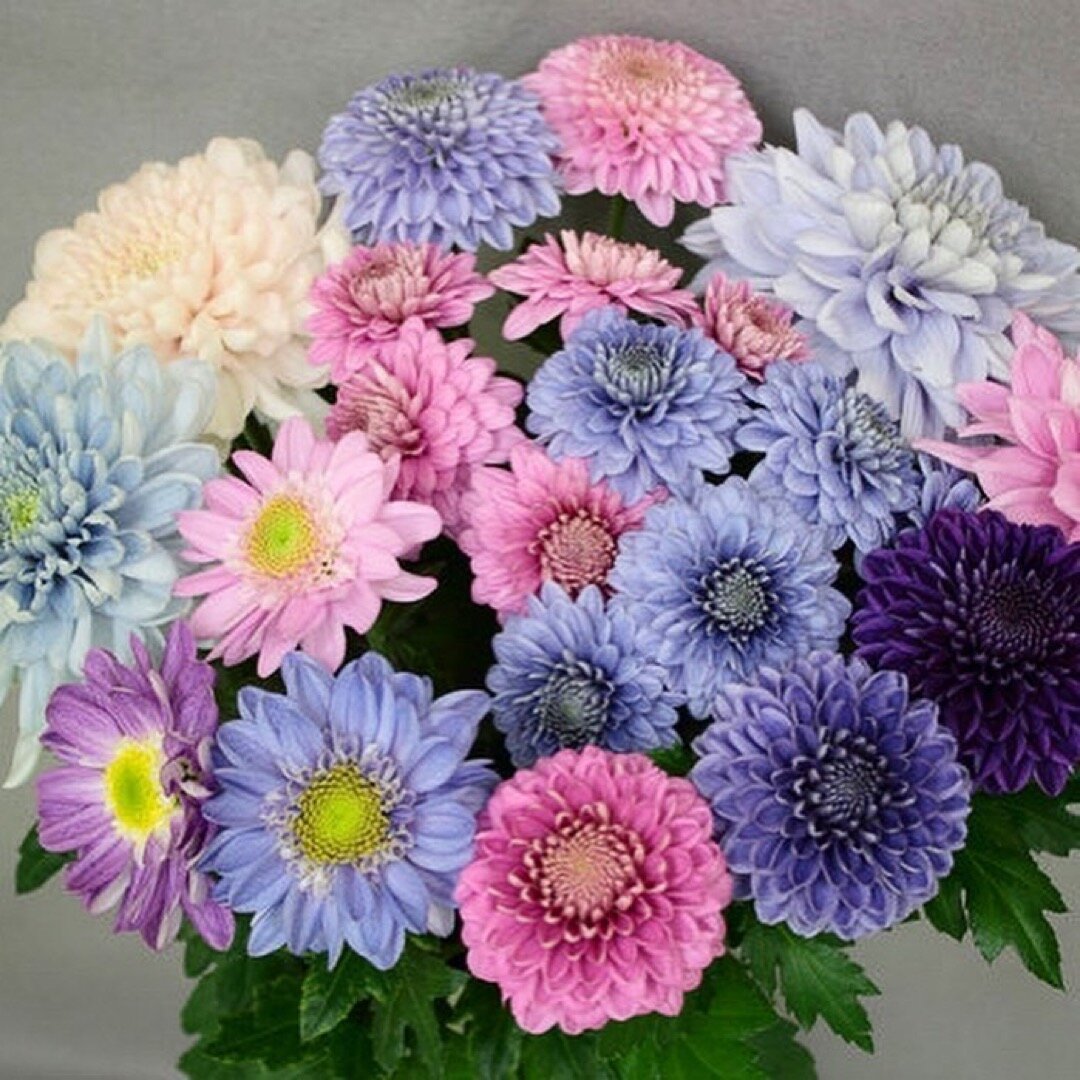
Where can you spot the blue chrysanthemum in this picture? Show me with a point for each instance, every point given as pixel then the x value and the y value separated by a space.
pixel 346 808
pixel 647 406
pixel 902 261
pixel 95 462
pixel 838 800
pixel 725 584
pixel 942 488
pixel 833 452
pixel 447 156
pixel 570 674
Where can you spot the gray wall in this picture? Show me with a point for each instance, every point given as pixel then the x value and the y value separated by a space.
pixel 91 89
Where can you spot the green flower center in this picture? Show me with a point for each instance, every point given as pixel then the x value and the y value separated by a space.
pixel 340 817
pixel 133 790
pixel 282 539
pixel 19 510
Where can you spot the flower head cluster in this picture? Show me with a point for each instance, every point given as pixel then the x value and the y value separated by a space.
pixel 126 799
pixel 212 257
pixel 346 809
pixel 653 121
pixel 595 891
pixel 983 616
pixel 941 487
pixel 838 800
pixel 448 156
pixel 647 406
pixel 902 261
pixel 309 545
pixel 96 459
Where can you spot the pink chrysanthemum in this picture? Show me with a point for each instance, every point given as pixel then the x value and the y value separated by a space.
pixel 595 891
pixel 1036 478
pixel 651 120
pixel 362 302
pixel 543 520
pixel 308 546
pixel 442 412
pixel 754 330
pixel 586 272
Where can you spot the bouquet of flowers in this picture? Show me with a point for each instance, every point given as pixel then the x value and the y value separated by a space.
pixel 568 716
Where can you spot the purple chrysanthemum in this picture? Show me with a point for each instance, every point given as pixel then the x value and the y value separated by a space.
pixel 984 618
pixel 134 745
pixel 448 156
pixel 346 808
pixel 838 800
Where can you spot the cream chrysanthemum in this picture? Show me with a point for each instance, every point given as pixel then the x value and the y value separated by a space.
pixel 212 257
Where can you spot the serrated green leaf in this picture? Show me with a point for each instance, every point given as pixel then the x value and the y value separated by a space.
pixel 493 1040
pixel 945 911
pixel 781 1056
pixel 555 1056
pixel 329 995
pixel 198 956
pixel 674 760
pixel 36 865
pixel 1044 821
pixel 269 1033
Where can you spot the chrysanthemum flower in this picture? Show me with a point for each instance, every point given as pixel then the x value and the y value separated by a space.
pixel 570 673
pixel 725 584
pixel 941 487
pixel 838 800
pixel 832 452
pixel 212 257
pixel 1036 478
pixel 983 616
pixel 654 121
pixel 96 459
pixel 595 892
pixel 647 406
pixel 362 302
pixel 308 546
pixel 450 156
pixel 540 521
pixel 346 809
pixel 902 261
pixel 126 800
pixel 568 277
pixel 439 411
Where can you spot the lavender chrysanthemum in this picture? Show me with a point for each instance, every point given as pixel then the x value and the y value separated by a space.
pixel 983 616
pixel 725 584
pixel 448 156
pixel 901 260
pixel 838 800
pixel 570 674
pixel 346 808
pixel 942 488
pixel 832 451
pixel 647 406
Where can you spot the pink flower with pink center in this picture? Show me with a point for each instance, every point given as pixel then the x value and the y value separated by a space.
pixel 754 330
pixel 308 546
pixel 542 520
pixel 440 411
pixel 362 302
pixel 585 272
pixel 1035 479
pixel 595 891
pixel 651 120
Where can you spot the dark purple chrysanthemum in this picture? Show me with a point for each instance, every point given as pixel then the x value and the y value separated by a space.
pixel 838 800
pixel 984 618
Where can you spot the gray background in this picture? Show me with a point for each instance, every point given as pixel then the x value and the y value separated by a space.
pixel 89 90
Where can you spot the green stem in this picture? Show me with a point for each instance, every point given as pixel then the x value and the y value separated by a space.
pixel 617 217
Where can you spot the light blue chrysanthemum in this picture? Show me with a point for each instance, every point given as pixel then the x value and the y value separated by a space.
pixel 96 459
pixel 942 488
pixel 902 261
pixel 725 584
pixel 448 156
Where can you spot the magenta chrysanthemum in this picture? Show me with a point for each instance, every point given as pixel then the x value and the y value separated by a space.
pixel 543 520
pixel 362 302
pixel 595 891
pixel 651 120
pixel 308 546
pixel 440 411
pixel 565 280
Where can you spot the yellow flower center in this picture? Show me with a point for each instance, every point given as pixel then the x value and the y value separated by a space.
pixel 19 511
pixel 340 817
pixel 137 259
pixel 282 539
pixel 133 790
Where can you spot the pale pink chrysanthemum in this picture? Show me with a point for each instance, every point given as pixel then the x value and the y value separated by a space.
pixel 440 411
pixel 542 520
pixel 307 547
pixel 362 302
pixel 1035 479
pixel 595 891
pixel 586 272
pixel 651 120
pixel 754 330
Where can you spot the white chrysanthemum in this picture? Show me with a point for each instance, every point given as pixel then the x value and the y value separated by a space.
pixel 212 257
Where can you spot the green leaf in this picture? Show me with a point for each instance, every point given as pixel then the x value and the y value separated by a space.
pixel 329 996
pixel 1045 821
pixel 780 1055
pixel 946 910
pixel 555 1056
pixel 198 956
pixel 493 1041
pixel 36 865
pixel 674 760
pixel 269 1033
